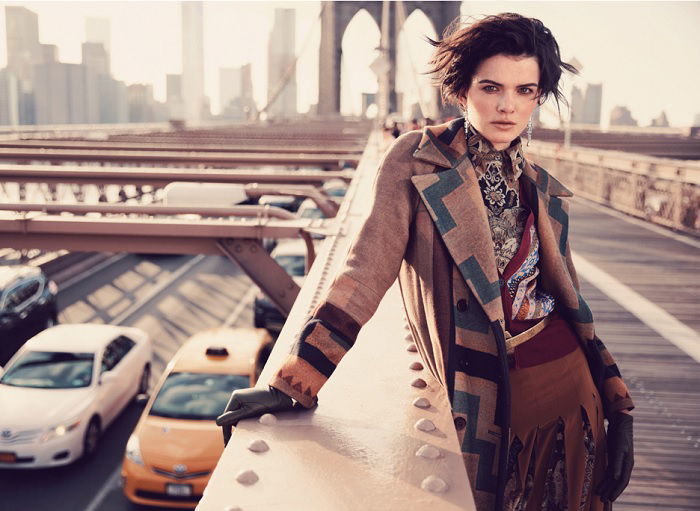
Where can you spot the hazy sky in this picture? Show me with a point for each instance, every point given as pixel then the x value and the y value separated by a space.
pixel 645 53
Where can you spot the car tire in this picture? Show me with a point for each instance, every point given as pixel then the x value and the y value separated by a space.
pixel 144 381
pixel 92 438
pixel 259 321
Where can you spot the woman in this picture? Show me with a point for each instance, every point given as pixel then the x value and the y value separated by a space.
pixel 478 238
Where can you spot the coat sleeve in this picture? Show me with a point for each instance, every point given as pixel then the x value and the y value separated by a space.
pixel 370 268
pixel 606 375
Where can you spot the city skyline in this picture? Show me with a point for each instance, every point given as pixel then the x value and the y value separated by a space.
pixel 644 75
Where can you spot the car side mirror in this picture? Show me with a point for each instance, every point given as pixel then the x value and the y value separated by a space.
pixel 107 377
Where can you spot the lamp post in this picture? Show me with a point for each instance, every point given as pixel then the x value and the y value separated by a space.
pixel 567 128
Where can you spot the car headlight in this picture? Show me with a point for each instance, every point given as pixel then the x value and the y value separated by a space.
pixel 59 430
pixel 133 450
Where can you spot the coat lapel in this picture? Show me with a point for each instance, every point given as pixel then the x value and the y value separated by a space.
pixel 453 199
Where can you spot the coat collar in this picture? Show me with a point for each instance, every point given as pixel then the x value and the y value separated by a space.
pixel 453 198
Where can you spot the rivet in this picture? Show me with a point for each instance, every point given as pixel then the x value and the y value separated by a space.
pixel 409 337
pixel 416 366
pixel 258 446
pixel 411 347
pixel 419 383
pixel 247 477
pixel 232 508
pixel 268 419
pixel 425 425
pixel 434 484
pixel 429 451
pixel 421 402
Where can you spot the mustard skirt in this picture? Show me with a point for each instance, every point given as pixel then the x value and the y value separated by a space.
pixel 557 446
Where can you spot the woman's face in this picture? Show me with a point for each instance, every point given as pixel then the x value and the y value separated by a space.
pixel 501 97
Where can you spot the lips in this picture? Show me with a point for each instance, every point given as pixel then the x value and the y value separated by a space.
pixel 504 123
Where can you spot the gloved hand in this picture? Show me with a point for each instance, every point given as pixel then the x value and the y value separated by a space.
pixel 620 457
pixel 246 403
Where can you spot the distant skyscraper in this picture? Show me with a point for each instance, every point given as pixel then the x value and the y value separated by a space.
pixel 576 105
pixel 51 93
pixel 173 96
pixel 23 53
pixel 192 60
pixel 23 50
pixel 9 98
pixel 282 84
pixel 97 30
pixel 621 116
pixel 230 85
pixel 96 58
pixel 592 103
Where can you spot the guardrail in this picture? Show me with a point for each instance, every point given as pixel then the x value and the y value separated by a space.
pixel 659 190
pixel 359 449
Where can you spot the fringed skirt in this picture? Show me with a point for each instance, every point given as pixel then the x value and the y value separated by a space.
pixel 557 447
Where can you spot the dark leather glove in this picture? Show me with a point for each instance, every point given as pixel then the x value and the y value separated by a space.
pixel 620 457
pixel 246 403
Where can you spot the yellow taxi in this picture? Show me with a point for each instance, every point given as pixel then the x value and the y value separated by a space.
pixel 176 443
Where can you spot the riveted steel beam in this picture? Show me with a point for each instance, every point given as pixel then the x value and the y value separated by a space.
pixel 223 159
pixel 160 176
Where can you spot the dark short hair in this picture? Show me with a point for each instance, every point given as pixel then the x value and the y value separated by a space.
pixel 465 46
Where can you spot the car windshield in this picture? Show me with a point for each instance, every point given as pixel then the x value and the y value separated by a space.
pixel 50 370
pixel 311 213
pixel 292 264
pixel 196 396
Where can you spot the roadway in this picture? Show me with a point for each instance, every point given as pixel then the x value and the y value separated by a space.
pixel 171 298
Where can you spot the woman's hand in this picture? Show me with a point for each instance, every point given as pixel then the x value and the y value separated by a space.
pixel 246 403
pixel 620 457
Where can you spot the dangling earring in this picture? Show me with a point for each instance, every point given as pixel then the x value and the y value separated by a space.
pixel 465 112
pixel 529 131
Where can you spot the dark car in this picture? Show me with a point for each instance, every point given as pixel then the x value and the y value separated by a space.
pixel 290 255
pixel 27 306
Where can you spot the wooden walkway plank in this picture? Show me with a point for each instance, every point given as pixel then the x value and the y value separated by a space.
pixel 663 380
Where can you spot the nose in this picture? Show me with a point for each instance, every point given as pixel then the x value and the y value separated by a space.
pixel 506 104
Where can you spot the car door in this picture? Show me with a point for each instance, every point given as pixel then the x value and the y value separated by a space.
pixel 20 301
pixel 131 366
pixel 111 383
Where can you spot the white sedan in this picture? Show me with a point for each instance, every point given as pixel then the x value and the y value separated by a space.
pixel 64 387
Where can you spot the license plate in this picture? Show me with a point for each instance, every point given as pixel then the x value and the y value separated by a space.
pixel 178 490
pixel 8 457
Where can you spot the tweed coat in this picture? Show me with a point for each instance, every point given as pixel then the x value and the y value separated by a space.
pixel 427 215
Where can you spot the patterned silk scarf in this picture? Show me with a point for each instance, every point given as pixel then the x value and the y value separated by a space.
pixel 498 173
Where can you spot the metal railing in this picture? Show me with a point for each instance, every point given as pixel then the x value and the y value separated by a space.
pixel 659 190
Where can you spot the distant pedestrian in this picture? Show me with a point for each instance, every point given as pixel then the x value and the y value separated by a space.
pixel 478 237
pixel 395 130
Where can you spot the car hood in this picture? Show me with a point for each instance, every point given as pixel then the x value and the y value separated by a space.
pixel 164 442
pixel 27 408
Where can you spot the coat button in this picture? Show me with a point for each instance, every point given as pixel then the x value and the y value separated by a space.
pixel 461 305
pixel 460 423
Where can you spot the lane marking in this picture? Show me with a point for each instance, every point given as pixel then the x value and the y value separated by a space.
pixel 242 304
pixel 658 229
pixel 156 290
pixel 113 480
pixel 668 327
pixel 112 483
pixel 92 271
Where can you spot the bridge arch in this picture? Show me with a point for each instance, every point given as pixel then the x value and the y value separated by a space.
pixel 334 20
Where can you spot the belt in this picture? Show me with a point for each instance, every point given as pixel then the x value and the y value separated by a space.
pixel 516 340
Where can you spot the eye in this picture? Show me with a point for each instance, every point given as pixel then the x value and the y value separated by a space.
pixel 490 88
pixel 526 90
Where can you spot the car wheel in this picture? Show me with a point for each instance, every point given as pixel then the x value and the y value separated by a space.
pixel 145 381
pixel 92 438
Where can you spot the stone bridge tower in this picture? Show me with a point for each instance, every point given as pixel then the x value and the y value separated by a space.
pixel 335 18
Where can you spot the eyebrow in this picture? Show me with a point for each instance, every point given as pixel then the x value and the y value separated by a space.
pixel 501 85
